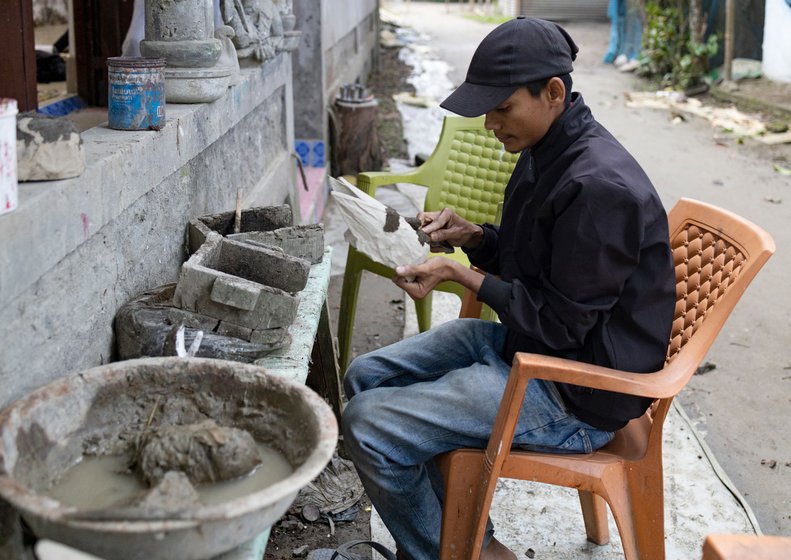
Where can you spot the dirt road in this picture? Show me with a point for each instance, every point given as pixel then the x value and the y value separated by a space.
pixel 741 406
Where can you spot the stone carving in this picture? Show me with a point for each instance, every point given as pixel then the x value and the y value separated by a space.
pixel 183 34
pixel 262 28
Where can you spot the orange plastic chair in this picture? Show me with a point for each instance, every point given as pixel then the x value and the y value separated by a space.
pixel 746 547
pixel 716 255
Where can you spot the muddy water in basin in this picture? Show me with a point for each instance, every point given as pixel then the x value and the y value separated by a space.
pixel 105 411
pixel 105 482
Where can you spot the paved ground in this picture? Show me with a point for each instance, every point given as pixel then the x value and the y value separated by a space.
pixel 741 406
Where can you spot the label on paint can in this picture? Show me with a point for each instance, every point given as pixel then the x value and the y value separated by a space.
pixel 136 93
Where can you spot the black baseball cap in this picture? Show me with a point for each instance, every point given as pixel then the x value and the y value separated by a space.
pixel 519 51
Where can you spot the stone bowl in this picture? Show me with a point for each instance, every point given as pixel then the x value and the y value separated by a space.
pixel 99 411
pixel 196 85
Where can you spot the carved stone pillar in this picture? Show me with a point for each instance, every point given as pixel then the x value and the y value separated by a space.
pixel 182 32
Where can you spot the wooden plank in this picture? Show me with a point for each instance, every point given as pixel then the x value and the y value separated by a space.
pixel 99 29
pixel 325 374
pixel 18 59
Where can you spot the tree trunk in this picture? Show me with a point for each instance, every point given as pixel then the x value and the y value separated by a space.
pixel 697 27
pixel 355 139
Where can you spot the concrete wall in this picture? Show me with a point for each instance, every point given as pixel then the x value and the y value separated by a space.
pixel 350 37
pixel 338 47
pixel 74 251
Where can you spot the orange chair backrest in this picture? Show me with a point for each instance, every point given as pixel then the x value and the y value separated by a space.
pixel 716 255
pixel 707 263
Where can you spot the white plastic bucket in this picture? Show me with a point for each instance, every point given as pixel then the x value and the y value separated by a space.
pixel 777 46
pixel 8 177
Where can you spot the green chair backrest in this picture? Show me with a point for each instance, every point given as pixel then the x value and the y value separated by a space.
pixel 467 171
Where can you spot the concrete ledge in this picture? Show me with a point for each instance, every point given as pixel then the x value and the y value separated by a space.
pixel 55 217
pixel 293 361
pixel 75 251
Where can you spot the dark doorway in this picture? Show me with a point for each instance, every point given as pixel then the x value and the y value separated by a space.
pixel 99 29
pixel 18 58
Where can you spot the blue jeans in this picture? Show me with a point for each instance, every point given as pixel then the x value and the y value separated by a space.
pixel 433 393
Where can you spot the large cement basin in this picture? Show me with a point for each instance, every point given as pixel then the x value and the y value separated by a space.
pixel 103 409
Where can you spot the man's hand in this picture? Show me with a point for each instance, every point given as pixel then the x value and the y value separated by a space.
pixel 419 280
pixel 448 226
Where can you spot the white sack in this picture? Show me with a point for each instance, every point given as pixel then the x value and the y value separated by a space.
pixel 777 42
pixel 366 218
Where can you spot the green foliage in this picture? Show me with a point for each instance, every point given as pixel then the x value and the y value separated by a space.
pixel 669 54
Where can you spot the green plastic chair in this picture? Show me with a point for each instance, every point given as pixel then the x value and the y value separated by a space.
pixel 467 172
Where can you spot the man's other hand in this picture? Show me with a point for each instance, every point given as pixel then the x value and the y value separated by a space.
pixel 418 280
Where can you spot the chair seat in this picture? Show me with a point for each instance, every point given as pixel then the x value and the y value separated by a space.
pixel 554 468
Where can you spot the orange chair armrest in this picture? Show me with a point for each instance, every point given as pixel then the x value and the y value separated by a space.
pixel 653 385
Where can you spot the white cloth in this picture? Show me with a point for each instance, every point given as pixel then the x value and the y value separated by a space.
pixel 366 219
pixel 777 46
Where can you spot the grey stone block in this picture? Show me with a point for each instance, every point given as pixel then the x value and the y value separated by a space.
pixel 229 329
pixel 265 218
pixel 178 316
pixel 269 336
pixel 305 242
pixel 147 326
pixel 219 258
pixel 264 264
pixel 235 292
pixel 48 148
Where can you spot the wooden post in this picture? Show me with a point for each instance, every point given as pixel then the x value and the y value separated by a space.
pixel 355 141
pixel 324 375
pixel 730 8
pixel 18 58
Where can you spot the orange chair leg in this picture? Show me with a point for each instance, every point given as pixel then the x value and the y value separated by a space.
pixel 649 518
pixel 470 306
pixel 464 468
pixel 594 512
pixel 638 508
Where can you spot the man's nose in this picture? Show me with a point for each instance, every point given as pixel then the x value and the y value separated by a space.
pixel 490 122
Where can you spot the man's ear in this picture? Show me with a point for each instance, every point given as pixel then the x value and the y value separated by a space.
pixel 556 91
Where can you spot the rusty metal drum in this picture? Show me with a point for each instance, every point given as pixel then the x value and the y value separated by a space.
pixel 136 96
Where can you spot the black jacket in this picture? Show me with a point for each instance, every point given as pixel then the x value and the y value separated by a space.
pixel 585 266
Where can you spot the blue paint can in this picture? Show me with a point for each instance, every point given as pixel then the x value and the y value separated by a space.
pixel 136 96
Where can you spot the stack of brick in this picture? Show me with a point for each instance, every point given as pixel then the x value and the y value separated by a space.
pixel 241 289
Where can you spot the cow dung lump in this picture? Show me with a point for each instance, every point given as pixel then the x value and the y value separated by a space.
pixel 204 451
